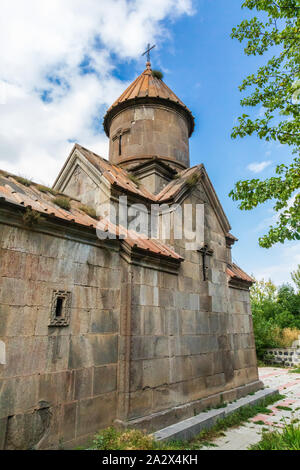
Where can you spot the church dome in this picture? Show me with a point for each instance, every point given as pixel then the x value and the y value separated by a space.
pixel 148 88
pixel 149 121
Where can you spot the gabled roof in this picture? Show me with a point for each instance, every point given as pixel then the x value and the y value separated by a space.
pixel 176 190
pixel 14 191
pixel 148 87
pixel 114 174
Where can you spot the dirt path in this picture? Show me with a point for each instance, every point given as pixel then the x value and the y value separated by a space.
pixel 242 437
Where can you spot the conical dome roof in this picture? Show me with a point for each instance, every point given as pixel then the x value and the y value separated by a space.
pixel 147 88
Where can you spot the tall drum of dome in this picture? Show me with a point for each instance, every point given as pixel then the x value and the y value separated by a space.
pixel 149 121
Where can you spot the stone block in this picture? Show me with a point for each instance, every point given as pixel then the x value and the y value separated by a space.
pixel 172 321
pixel 69 421
pixel 96 413
pixel 3 424
pixel 147 347
pixel 83 383
pixel 104 349
pixel 7 397
pixel 154 320
pixel 140 403
pixel 136 375
pixel 104 321
pixel 105 379
pixel 180 368
pixel 165 397
pixel 202 323
pixel 215 382
pixel 188 322
pixel 156 372
pixel 202 365
pixel 56 388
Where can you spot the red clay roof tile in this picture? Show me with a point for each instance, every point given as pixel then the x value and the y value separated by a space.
pixel 30 196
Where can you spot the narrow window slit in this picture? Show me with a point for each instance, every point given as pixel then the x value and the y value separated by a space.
pixel 59 306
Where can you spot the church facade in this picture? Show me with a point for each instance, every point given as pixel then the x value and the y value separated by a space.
pixel 111 325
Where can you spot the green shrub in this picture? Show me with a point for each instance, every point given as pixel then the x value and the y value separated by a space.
pixel 131 439
pixel 266 334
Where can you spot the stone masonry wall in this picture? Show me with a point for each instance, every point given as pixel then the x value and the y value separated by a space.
pixel 150 130
pixel 192 339
pixel 59 384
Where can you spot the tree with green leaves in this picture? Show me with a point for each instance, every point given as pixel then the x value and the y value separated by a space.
pixel 296 278
pixel 275 87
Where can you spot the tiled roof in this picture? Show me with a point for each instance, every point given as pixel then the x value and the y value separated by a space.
pixel 114 174
pixel 175 186
pixel 13 191
pixel 120 177
pixel 149 86
pixel 236 273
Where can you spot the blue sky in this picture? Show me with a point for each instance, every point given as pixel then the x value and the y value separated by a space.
pixel 64 63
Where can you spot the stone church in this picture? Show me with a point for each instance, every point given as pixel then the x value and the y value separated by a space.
pixel 123 330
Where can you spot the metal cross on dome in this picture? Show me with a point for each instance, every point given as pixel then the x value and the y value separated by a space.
pixel 148 51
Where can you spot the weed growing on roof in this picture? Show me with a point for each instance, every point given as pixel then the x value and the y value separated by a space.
pixel 30 217
pixel 193 180
pixel 134 179
pixel 89 211
pixel 63 202
pixel 45 189
pixel 157 74
pixel 23 181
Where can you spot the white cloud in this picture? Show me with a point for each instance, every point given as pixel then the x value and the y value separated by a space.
pixel 279 266
pixel 258 167
pixel 42 44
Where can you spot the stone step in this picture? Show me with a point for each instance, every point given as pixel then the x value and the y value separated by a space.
pixel 189 428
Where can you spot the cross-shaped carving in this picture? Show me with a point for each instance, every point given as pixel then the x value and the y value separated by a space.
pixel 119 135
pixel 205 251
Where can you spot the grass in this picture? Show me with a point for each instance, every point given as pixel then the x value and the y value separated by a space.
pixel 295 371
pixel 288 439
pixel 45 189
pixel 112 439
pixel 89 211
pixel 193 180
pixel 284 408
pixel 23 181
pixel 62 202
